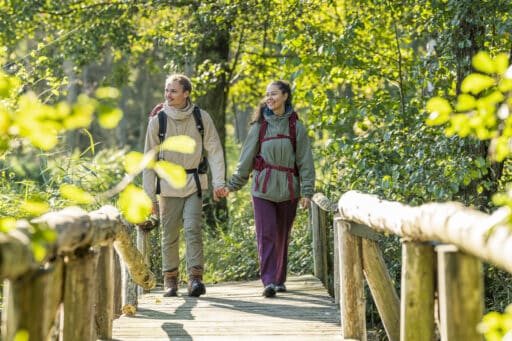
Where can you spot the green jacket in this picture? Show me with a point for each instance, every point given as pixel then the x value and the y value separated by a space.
pixel 276 152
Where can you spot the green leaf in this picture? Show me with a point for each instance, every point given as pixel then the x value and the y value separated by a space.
pixel 38 250
pixel 174 174
pixel 133 162
pixel 501 63
pixel 483 62
pixel 476 83
pixel 505 85
pixel 76 194
pixel 465 102
pixel 439 109
pixel 22 335
pixel 7 224
pixel 109 117
pixel 179 143
pixel 35 208
pixel 107 92
pixel 135 204
pixel 5 120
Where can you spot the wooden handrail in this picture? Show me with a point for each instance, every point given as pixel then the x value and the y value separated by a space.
pixel 69 274
pixel 75 229
pixel 447 238
pixel 476 233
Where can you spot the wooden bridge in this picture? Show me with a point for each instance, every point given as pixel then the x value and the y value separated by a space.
pixel 79 290
pixel 235 311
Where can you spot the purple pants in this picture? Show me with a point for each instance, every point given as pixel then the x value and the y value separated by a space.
pixel 274 222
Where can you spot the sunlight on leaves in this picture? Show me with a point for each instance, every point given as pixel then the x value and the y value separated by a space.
pixel 7 224
pixel 38 250
pixel 476 83
pixel 501 63
pixel 107 92
pixel 75 194
pixel 22 335
pixel 109 117
pixel 174 174
pixel 483 62
pixel 505 85
pixel 44 139
pixel 439 109
pixel 35 208
pixel 465 102
pixel 5 120
pixel 82 113
pixel 180 143
pixel 135 204
pixel 133 162
pixel 62 110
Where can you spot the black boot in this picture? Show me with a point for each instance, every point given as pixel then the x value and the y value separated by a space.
pixel 171 283
pixel 195 287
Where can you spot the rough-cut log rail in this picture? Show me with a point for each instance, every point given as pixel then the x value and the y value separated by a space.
pixel 324 203
pixel 474 232
pixel 75 229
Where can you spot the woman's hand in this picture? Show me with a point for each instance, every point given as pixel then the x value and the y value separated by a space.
pixel 305 202
pixel 220 192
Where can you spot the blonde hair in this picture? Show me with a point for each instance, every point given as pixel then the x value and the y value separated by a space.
pixel 181 79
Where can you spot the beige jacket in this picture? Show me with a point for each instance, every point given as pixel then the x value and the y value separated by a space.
pixel 181 122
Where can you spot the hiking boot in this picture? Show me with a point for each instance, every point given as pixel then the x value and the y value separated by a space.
pixel 195 287
pixel 269 290
pixel 281 288
pixel 171 283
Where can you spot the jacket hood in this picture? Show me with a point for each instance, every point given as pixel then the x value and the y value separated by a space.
pixel 270 116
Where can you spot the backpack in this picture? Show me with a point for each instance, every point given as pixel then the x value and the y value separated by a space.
pixel 202 168
pixel 260 163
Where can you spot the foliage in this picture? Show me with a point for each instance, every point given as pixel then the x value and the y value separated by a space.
pixel 483 110
pixel 361 73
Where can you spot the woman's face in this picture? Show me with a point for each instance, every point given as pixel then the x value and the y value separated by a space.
pixel 175 95
pixel 275 99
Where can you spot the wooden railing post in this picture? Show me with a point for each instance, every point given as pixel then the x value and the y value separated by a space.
pixel 417 301
pixel 352 300
pixel 382 288
pixel 320 243
pixel 80 296
pixel 461 295
pixel 144 245
pixel 336 255
pixel 118 286
pixel 31 303
pixel 105 293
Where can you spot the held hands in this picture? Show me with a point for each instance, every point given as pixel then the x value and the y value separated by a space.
pixel 305 203
pixel 220 192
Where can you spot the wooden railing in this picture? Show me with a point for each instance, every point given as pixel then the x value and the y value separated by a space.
pixel 443 246
pixel 74 293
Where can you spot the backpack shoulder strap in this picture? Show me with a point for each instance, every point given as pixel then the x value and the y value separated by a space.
pixel 162 125
pixel 263 130
pixel 199 120
pixel 293 129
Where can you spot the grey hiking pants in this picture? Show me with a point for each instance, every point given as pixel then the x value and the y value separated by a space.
pixel 175 213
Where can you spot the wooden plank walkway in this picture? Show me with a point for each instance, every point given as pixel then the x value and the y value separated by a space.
pixel 235 311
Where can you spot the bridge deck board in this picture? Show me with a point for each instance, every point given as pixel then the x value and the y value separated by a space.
pixel 235 311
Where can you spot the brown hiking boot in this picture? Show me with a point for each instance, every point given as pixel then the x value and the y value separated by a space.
pixel 195 287
pixel 171 283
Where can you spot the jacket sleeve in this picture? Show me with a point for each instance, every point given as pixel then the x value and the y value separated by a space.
pixel 149 175
pixel 214 151
pixel 246 162
pixel 305 163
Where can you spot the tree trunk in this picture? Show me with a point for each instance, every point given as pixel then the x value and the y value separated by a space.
pixel 215 48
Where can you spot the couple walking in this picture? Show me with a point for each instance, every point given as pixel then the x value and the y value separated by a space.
pixel 277 152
